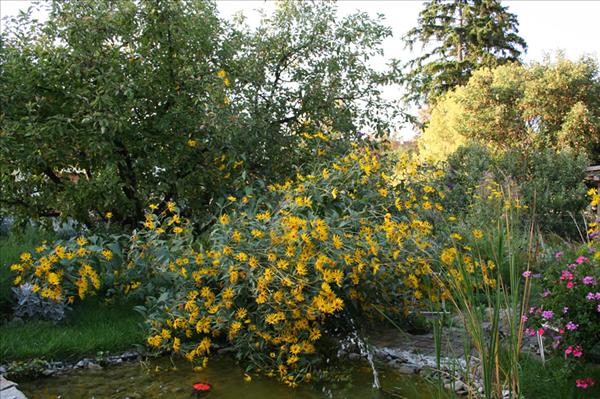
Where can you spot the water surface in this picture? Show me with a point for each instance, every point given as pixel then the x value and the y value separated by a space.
pixel 134 380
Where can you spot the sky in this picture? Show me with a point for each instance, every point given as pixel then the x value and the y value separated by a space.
pixel 547 26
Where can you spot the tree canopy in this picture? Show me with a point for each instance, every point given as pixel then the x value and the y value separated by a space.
pixel 544 105
pixel 457 37
pixel 108 105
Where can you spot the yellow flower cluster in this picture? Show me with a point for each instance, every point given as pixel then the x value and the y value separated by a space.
pixel 64 270
pixel 276 273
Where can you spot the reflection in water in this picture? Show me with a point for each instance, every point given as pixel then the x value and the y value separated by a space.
pixel 134 381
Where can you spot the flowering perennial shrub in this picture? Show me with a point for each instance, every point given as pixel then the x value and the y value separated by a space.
pixel 69 269
pixel 286 268
pixel 569 312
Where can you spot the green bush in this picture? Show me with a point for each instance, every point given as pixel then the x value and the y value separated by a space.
pixel 552 184
pixel 549 184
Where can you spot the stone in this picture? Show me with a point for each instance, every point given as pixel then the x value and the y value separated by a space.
pixel 10 390
pixel 94 366
pixel 2 370
pixel 6 384
pixel 407 368
pixel 460 388
pixel 83 363
pixel 12 393
pixel 396 363
pixel 130 355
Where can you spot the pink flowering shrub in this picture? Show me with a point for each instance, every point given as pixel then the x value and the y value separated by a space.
pixel 568 315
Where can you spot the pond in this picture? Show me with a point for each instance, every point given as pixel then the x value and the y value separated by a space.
pixel 174 381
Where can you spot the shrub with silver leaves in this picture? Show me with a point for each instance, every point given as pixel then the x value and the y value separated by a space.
pixel 30 304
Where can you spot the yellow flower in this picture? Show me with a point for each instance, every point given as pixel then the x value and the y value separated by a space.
pixel 108 215
pixel 25 256
pixel 154 340
pixel 221 73
pixel 456 236
pixel 81 241
pixel 477 234
pixel 177 230
pixel 247 378
pixel 192 143
pixel 224 219
pixel 53 279
pixel 264 216
pixel 171 206
pixel 241 313
pixel 107 253
pixel 166 334
pixel 448 255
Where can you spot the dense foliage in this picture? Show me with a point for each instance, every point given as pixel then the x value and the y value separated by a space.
pixel 215 175
pixel 281 269
pixel 109 104
pixel 338 245
pixel 458 37
pixel 567 315
pixel 547 105
pixel 549 183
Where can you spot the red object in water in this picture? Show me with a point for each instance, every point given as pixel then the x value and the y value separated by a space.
pixel 201 388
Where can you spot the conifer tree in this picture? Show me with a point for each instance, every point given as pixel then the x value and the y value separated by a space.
pixel 459 36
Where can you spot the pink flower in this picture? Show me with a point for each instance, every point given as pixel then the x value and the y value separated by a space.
pixel 558 254
pixel 530 332
pixel 571 326
pixel 565 309
pixel 569 350
pixel 580 260
pixel 580 383
pixel 547 314
pixel 540 331
pixel 524 318
pixel 577 352
pixel 566 275
pixel 570 284
pixel 588 382
pixel 589 280
pixel 526 274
